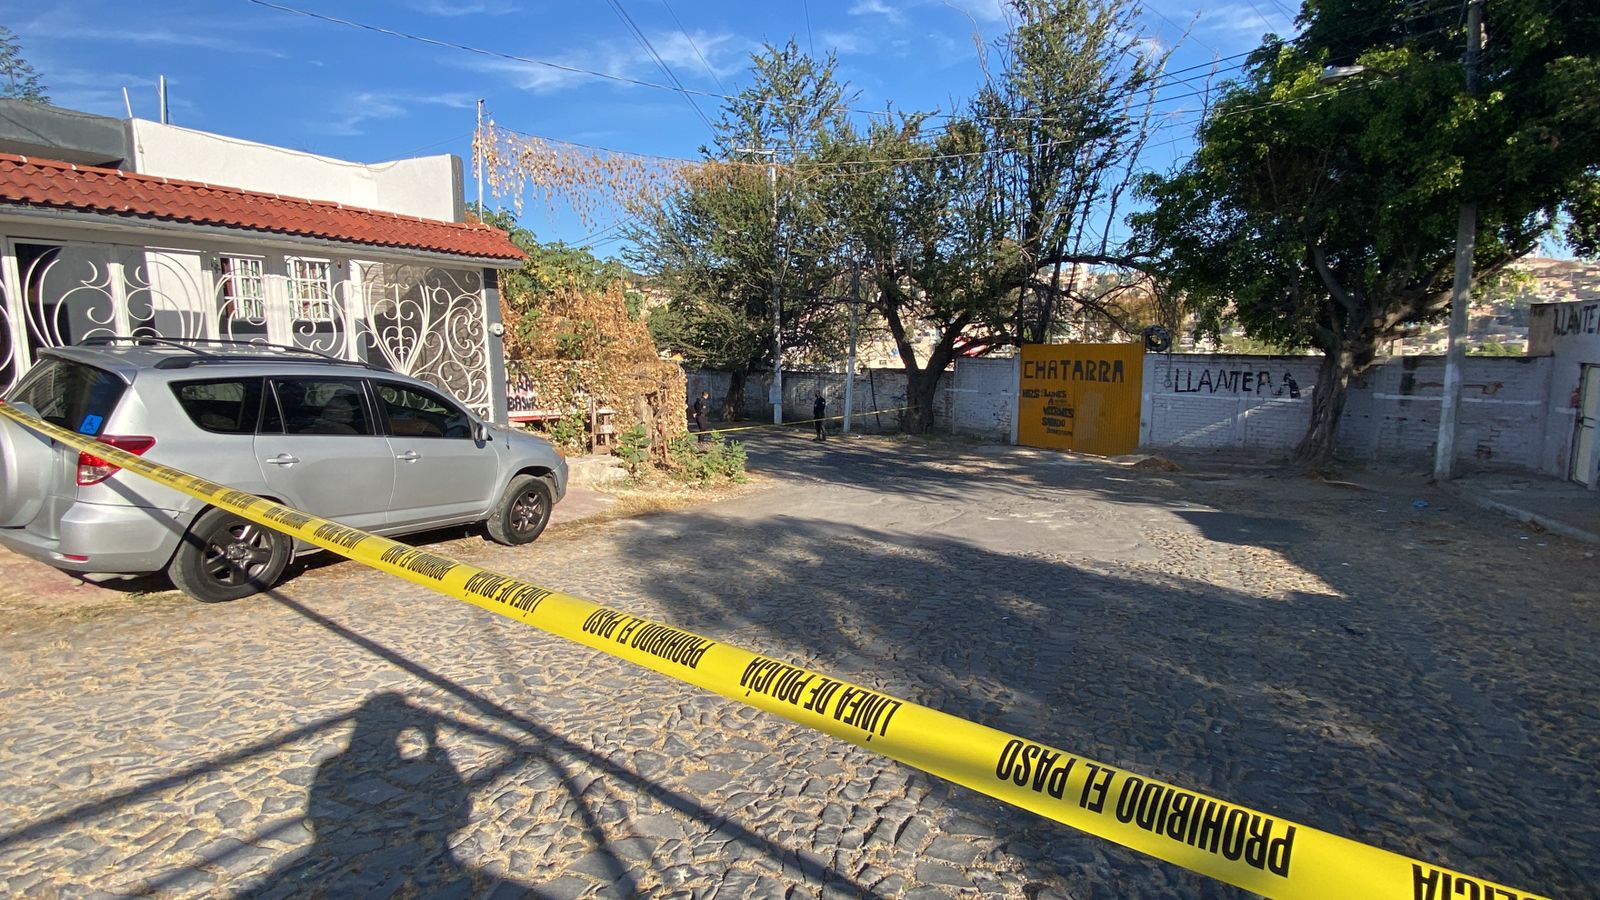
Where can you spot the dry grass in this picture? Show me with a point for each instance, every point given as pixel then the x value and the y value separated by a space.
pixel 655 498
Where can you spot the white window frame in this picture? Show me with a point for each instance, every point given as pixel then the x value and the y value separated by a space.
pixel 247 306
pixel 310 292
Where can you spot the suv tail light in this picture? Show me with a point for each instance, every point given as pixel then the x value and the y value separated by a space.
pixel 93 470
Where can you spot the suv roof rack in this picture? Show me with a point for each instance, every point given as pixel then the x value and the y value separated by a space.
pixel 195 346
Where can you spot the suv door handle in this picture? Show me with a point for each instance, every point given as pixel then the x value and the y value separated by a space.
pixel 284 459
pixel 409 456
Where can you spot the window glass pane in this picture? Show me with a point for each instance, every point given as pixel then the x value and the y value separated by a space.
pixel 311 289
pixel 72 395
pixel 223 406
pixel 243 292
pixel 317 406
pixel 416 413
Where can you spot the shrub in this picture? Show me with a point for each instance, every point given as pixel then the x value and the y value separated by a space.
pixel 568 433
pixel 704 463
pixel 633 446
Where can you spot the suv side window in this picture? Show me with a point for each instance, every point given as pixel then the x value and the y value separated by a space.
pixel 413 412
pixel 73 395
pixel 222 405
pixel 321 406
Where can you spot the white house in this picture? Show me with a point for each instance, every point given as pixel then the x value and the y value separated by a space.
pixel 133 228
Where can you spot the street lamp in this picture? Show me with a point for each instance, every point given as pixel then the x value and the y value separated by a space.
pixel 1444 456
pixel 1336 74
pixel 775 394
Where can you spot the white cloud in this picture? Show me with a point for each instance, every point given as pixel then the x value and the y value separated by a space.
pixel 622 60
pixel 453 8
pixel 878 8
pixel 982 10
pixel 160 37
pixel 1244 22
pixel 847 42
pixel 373 106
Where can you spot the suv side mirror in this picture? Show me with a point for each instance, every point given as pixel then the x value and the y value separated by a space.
pixel 480 432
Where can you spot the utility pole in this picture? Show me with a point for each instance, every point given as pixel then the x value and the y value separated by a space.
pixel 1444 458
pixel 777 296
pixel 477 151
pixel 850 363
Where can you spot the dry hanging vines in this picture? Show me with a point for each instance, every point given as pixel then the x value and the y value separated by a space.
pixel 590 179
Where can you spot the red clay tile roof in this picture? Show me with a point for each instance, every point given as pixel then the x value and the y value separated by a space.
pixel 30 181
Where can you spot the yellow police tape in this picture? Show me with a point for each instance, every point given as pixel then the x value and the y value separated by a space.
pixel 1223 840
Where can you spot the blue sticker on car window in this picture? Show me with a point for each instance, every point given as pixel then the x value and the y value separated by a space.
pixel 91 425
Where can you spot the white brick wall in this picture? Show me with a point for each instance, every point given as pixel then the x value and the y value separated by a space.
pixel 1393 413
pixel 1390 413
pixel 1203 400
pixel 1509 414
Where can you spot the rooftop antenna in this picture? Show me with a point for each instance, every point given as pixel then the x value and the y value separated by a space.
pixel 128 102
pixel 161 90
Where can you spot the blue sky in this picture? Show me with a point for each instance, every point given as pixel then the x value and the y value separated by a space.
pixel 241 69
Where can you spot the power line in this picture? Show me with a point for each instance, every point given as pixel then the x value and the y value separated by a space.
pixel 692 46
pixel 561 67
pixel 638 34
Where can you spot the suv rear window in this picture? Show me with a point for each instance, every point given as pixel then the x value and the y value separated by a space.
pixel 221 405
pixel 70 394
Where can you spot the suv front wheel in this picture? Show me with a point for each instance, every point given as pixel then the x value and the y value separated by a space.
pixel 225 557
pixel 523 511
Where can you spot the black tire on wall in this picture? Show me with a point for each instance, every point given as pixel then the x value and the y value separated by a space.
pixel 225 557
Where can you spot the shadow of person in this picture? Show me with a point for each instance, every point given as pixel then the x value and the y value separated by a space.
pixel 381 814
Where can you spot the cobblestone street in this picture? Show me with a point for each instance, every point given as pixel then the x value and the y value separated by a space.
pixel 1419 677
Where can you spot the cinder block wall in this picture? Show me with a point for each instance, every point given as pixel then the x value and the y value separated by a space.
pixel 978 399
pixel 1391 413
pixel 1213 401
pixel 1260 403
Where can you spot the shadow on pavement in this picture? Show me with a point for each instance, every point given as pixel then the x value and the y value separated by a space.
pixel 352 809
pixel 1370 712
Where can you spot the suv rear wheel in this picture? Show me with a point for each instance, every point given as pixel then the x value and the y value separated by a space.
pixel 225 557
pixel 523 511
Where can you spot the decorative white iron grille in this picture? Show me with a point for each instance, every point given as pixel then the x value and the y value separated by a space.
pixel 419 320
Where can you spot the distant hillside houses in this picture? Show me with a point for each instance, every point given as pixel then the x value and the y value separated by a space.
pixel 1498 323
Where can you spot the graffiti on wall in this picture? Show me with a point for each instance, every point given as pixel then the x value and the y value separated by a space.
pixel 1583 319
pixel 1082 397
pixel 1257 382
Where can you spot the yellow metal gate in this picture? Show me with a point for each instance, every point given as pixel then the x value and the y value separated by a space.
pixel 1081 397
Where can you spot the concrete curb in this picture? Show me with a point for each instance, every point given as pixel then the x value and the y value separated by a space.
pixel 1549 524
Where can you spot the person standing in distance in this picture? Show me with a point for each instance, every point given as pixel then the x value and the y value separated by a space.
pixel 700 404
pixel 817 409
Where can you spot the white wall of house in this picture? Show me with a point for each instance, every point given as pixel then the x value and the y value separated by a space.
pixel 428 187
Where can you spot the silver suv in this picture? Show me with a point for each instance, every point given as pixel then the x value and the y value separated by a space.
pixel 375 450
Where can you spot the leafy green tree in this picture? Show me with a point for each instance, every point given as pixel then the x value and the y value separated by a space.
pixel 1325 216
pixel 550 272
pixel 967 227
pixel 21 81
pixel 743 222
pixel 934 261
